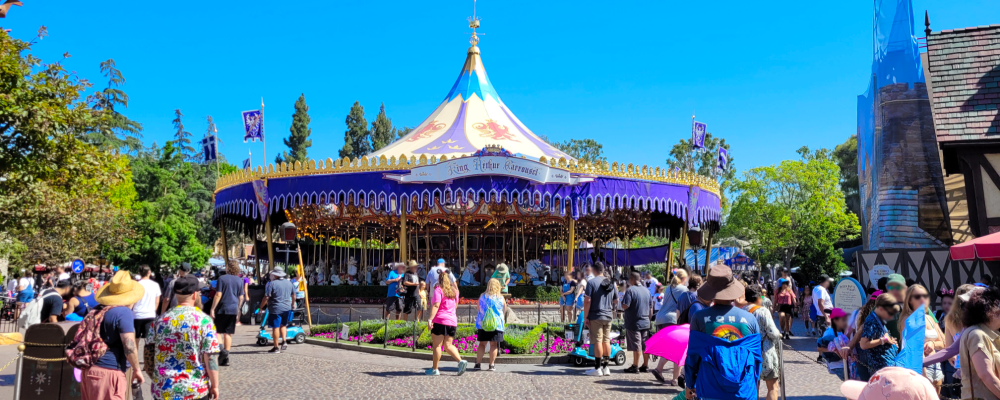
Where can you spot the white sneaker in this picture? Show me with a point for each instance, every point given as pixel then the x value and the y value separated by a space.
pixel 595 372
pixel 607 371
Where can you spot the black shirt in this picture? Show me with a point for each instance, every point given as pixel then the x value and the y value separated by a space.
pixel 412 278
pixel 51 305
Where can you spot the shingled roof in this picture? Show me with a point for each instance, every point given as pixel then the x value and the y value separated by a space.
pixel 964 66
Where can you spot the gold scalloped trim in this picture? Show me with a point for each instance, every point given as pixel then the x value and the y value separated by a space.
pixel 346 165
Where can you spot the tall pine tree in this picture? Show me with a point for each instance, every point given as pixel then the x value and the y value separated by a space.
pixel 403 132
pixel 383 133
pixel 182 138
pixel 356 137
pixel 298 141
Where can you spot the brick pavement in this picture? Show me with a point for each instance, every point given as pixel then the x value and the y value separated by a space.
pixel 314 372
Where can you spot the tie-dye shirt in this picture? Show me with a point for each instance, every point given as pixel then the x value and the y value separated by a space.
pixel 181 336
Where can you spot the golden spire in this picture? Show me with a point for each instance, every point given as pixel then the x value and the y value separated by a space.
pixel 474 23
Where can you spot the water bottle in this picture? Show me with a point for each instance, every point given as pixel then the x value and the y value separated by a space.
pixel 136 391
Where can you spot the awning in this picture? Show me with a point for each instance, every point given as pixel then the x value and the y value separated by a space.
pixel 986 248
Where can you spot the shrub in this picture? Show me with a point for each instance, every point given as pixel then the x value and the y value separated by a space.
pixel 333 328
pixel 399 329
pixel 520 340
pixel 378 293
pixel 371 326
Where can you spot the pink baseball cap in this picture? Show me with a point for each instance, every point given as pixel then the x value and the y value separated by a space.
pixel 837 313
pixel 890 383
pixel 875 295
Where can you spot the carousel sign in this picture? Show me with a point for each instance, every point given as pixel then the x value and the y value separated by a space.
pixel 490 165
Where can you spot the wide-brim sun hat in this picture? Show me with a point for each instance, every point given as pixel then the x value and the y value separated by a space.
pixel 122 290
pixel 720 285
pixel 502 268
pixel 413 263
pixel 890 383
pixel 278 272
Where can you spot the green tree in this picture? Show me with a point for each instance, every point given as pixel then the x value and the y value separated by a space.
pixel 704 162
pixel 168 188
pixel 356 137
pixel 794 212
pixel 847 158
pixel 182 138
pixel 382 133
pixel 41 110
pixel 583 150
pixel 114 130
pixel 298 139
pixel 403 132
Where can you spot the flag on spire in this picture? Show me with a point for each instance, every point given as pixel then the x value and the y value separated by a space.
pixel 253 126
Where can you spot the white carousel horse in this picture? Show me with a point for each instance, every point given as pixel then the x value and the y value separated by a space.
pixel 352 271
pixel 335 280
pixel 469 276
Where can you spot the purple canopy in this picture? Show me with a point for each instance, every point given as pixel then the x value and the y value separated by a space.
pixel 641 256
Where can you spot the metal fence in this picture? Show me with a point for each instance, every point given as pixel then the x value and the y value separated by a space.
pixel 8 313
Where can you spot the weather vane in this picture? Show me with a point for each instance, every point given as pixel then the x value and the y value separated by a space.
pixel 474 23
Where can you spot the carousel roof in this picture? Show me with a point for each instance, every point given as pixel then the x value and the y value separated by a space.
pixel 471 117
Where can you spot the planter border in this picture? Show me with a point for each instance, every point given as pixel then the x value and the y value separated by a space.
pixel 501 359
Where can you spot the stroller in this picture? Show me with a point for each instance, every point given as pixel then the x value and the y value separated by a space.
pixel 580 357
pixel 295 332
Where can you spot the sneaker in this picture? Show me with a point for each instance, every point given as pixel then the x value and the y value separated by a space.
pixel 680 381
pixel 631 370
pixel 658 376
pixel 595 372
pixel 224 358
pixel 492 368
pixel 478 367
pixel 462 365
pixel 643 369
pixel 607 371
pixel 274 350
pixel 284 347
pixel 432 372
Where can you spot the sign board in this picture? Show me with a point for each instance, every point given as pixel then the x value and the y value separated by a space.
pixel 464 167
pixel 878 272
pixel 78 266
pixel 849 295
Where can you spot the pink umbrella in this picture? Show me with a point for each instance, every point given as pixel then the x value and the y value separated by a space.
pixel 986 248
pixel 670 343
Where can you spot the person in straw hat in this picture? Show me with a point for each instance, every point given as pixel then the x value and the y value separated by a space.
pixel 502 275
pixel 106 378
pixel 722 321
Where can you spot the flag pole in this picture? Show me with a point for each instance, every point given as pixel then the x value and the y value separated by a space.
pixel 267 222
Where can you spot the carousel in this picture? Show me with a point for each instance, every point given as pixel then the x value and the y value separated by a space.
pixel 472 185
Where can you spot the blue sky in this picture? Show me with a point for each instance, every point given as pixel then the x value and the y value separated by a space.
pixel 768 76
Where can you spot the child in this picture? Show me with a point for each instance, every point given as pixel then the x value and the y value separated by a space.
pixel 834 334
pixel 878 348
pixel 568 300
pixel 421 300
pixel 810 315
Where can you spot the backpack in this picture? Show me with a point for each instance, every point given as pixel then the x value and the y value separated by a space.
pixel 87 346
pixel 682 316
pixel 32 312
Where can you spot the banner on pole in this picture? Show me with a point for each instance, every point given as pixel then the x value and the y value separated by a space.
pixel 698 130
pixel 260 191
pixel 208 148
pixel 253 126
pixel 723 159
pixel 246 163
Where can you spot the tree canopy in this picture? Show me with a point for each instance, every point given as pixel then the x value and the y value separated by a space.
pixel 383 133
pixel 704 162
pixel 588 150
pixel 794 211
pixel 846 155
pixel 356 137
pixel 298 141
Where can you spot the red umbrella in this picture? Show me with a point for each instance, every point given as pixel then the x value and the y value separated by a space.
pixel 986 248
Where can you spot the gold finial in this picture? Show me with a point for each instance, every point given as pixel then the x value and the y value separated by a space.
pixel 474 23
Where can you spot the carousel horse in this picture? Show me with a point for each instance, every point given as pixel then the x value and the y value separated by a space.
pixel 469 275
pixel 352 271
pixel 335 280
pixel 539 272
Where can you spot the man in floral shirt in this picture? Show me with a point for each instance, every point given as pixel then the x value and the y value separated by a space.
pixel 183 350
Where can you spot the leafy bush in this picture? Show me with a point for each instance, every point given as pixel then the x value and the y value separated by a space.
pixel 371 326
pixel 537 293
pixel 399 329
pixel 333 328
pixel 520 340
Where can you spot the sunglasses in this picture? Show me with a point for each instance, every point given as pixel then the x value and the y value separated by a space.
pixel 892 309
pixel 921 296
pixel 894 287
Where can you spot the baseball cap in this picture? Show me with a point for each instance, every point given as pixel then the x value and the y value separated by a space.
pixel 186 267
pixel 440 261
pixel 186 285
pixel 896 278
pixel 837 313
pixel 875 295
pixel 890 383
pixel 825 278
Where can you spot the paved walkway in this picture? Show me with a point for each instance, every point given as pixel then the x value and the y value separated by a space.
pixel 314 372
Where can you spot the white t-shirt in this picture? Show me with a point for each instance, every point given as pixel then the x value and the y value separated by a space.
pixel 651 285
pixel 145 308
pixel 819 292
pixel 432 277
pixel 27 283
pixel 63 276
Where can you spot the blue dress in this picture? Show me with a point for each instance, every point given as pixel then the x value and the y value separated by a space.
pixel 880 356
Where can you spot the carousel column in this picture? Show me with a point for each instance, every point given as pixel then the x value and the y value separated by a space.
pixel 683 257
pixel 402 235
pixel 571 244
pixel 225 244
pixel 270 243
pixel 708 248
pixel 304 286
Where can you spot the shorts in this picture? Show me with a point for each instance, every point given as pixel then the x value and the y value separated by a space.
pixel 443 330
pixel 768 373
pixel 812 313
pixel 600 332
pixel 278 320
pixel 489 336
pixel 567 300
pixel 785 308
pixel 933 373
pixel 25 296
pixel 579 302
pixel 393 303
pixel 225 323
pixel 142 327
pixel 99 383
pixel 409 304
pixel 636 340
